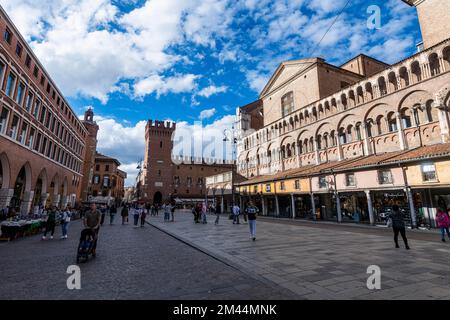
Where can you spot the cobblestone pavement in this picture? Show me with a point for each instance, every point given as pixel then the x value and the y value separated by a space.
pixel 142 263
pixel 319 262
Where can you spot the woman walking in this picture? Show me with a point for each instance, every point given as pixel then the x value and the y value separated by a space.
pixel 124 214
pixel 65 219
pixel 136 214
pixel 204 213
pixel 443 222
pixel 51 222
pixel 143 215
pixel 167 209
pixel 112 214
pixel 398 226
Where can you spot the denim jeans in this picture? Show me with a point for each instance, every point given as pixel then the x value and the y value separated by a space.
pixel 236 218
pixel 64 226
pixel 443 230
pixel 252 225
pixel 111 218
pixel 136 219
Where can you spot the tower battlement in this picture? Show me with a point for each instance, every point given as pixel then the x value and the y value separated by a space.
pixel 157 124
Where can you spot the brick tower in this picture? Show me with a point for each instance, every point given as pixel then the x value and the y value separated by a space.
pixel 89 155
pixel 158 168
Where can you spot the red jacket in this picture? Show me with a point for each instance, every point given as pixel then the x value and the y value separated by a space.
pixel 442 219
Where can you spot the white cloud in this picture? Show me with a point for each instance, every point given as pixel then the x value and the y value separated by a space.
pixel 208 113
pixel 212 90
pixel 161 85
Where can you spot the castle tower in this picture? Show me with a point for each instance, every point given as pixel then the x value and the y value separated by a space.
pixel 434 19
pixel 158 167
pixel 89 153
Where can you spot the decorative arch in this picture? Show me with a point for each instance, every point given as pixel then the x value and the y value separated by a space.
pixel 414 97
pixel 5 172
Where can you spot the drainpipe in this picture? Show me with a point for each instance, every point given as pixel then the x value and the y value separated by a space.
pixel 412 210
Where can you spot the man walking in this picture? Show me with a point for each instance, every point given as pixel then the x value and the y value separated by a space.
pixel 251 211
pixel 398 226
pixel 92 220
pixel 236 212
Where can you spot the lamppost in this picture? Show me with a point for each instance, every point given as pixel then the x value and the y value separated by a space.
pixel 234 140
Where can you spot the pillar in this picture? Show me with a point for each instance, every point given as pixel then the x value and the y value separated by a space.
pixel 401 133
pixel 27 200
pixel 241 203
pixel 277 207
pixel 412 210
pixel 339 149
pixel 65 200
pixel 443 122
pixel 263 204
pixel 338 208
pixel 313 206
pixel 5 197
pixel 293 205
pixel 370 207
pixel 222 205
pixel 44 198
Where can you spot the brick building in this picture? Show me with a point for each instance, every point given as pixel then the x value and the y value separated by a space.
pixel 162 178
pixel 108 180
pixel 42 141
pixel 347 142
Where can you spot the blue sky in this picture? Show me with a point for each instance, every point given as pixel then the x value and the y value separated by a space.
pixel 186 61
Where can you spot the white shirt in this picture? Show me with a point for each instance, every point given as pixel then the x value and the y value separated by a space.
pixel 236 210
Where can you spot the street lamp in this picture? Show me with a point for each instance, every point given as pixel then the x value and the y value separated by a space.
pixel 234 145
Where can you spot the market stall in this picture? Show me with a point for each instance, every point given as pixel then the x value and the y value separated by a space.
pixel 12 230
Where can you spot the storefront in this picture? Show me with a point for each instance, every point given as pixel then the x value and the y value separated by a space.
pixel 271 206
pixel 285 206
pixel 383 201
pixel 354 207
pixel 303 207
pixel 325 206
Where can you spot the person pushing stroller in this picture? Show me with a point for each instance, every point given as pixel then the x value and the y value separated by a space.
pixel 92 220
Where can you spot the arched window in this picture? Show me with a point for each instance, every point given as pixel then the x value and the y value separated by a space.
pixel 392 122
pixel 333 141
pixel 358 131
pixel 434 64
pixel 404 77
pixel 349 133
pixel 319 142
pixel 287 103
pixel 380 126
pixel 429 112
pixel 382 86
pixel 342 136
pixel 406 118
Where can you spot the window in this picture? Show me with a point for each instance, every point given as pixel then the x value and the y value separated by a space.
pixel 189 181
pixel 47 122
pixel 297 184
pixel 20 91
pixel 11 84
pixel 37 105
pixel 38 142
pixel 29 102
pixel 255 189
pixel 106 181
pixel 160 144
pixel 429 172
pixel 107 167
pixel 31 138
pixel 14 127
pixel 3 120
pixel 350 180
pixel 42 118
pixel 322 182
pixel 19 49
pixel 28 61
pixel 48 87
pixel 42 80
pixel 23 134
pixel 282 186
pixel 287 103
pixel 35 71
pixel 2 69
pixel 44 145
pixel 268 187
pixel 7 35
pixel 384 176
pixel 96 179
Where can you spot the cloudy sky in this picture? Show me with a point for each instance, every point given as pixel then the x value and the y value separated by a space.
pixel 192 60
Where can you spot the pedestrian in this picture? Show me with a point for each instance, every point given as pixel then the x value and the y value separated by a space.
pixel 204 213
pixel 50 224
pixel 443 222
pixel 136 214
pixel 172 212
pixel 92 220
pixel 251 211
pixel 236 212
pixel 143 215
pixel 112 214
pixel 167 209
pixel 216 211
pixel 124 214
pixel 103 214
pixel 397 221
pixel 157 209
pixel 65 219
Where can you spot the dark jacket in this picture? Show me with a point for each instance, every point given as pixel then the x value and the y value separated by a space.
pixel 251 212
pixel 397 220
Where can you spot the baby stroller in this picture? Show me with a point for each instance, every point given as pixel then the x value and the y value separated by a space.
pixel 86 245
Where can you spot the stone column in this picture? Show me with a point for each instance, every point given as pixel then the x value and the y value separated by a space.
pixel 44 198
pixel 65 200
pixel 293 205
pixel 263 204
pixel 313 205
pixel 5 197
pixel 365 137
pixel 338 207
pixel 277 207
pixel 441 64
pixel 370 207
pixel 316 151
pixel 339 149
pixel 222 204
pixel 412 210
pixel 443 122
pixel 401 133
pixel 27 200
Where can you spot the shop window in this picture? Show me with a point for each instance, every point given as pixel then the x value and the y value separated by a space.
pixel 385 177
pixel 297 184
pixel 282 186
pixel 268 187
pixel 322 182
pixel 350 180
pixel 429 172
